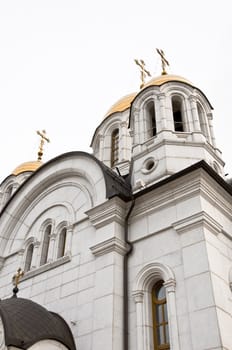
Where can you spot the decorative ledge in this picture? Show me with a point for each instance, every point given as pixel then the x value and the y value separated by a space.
pixel 110 211
pixel 46 267
pixel 199 219
pixel 108 246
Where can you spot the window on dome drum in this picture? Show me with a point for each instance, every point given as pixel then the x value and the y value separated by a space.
pixel 177 114
pixel 29 257
pixel 45 246
pixel 114 147
pixel 160 317
pixel 151 119
pixel 61 243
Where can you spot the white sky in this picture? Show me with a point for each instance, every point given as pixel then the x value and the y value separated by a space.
pixel 63 63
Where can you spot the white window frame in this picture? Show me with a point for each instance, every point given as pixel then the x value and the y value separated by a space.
pixel 145 280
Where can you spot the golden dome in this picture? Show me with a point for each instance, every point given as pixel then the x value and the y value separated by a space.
pixel 27 166
pixel 165 79
pixel 125 102
pixel 121 105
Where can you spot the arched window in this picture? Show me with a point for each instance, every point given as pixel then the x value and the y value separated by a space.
pixel 153 291
pixel 114 147
pixel 160 317
pixel 151 120
pixel 177 114
pixel 45 246
pixel 29 257
pixel 61 243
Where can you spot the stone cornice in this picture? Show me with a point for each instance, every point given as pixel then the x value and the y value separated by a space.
pixel 114 210
pixel 110 245
pixel 197 183
pixel 199 219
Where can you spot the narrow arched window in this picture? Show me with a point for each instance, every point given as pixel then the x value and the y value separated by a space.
pixel 45 246
pixel 151 120
pixel 29 257
pixel 114 147
pixel 177 114
pixel 61 243
pixel 160 317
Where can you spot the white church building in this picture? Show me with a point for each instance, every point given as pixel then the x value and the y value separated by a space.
pixel 127 248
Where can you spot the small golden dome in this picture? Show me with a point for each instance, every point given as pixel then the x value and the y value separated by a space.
pixel 165 78
pixel 27 166
pixel 125 102
pixel 122 104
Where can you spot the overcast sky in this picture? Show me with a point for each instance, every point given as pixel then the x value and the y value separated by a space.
pixel 63 63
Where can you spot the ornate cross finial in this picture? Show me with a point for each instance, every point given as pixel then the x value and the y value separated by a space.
pixel 16 279
pixel 44 138
pixel 143 71
pixel 164 62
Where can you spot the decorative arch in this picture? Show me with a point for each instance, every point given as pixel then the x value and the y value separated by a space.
pixel 147 277
pixel 144 119
pixel 74 172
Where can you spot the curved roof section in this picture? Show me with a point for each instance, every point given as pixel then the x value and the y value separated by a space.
pixel 26 322
pixel 115 185
pixel 121 105
pixel 27 166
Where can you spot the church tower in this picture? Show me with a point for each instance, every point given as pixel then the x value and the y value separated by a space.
pixel 130 247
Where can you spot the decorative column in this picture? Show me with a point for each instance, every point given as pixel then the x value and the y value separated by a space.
pixel 213 140
pixel 136 127
pixel 193 105
pixel 35 256
pixel 172 316
pixel 20 256
pixel 163 122
pixel 68 243
pixel 138 298
pixel 109 250
pixel 123 142
pixel 101 146
pixel 51 248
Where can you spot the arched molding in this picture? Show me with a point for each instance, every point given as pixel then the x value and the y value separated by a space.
pixel 143 118
pixel 143 97
pixel 8 187
pixel 177 88
pixel 48 344
pixel 77 169
pixel 111 125
pixel 150 274
pixel 145 280
pixel 201 98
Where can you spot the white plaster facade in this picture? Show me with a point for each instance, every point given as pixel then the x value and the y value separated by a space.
pixel 177 220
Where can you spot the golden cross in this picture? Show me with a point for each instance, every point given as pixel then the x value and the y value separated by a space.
pixel 143 71
pixel 17 276
pixel 44 138
pixel 164 62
